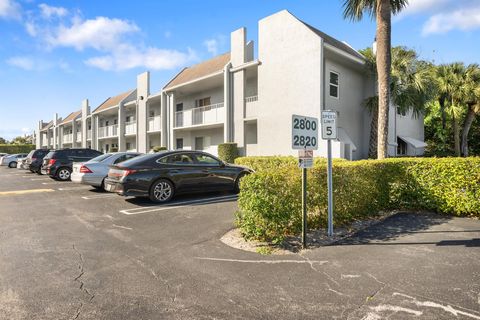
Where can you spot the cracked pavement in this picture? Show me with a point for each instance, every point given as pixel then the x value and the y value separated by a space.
pixel 65 257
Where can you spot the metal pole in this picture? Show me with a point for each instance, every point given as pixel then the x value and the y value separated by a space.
pixel 330 193
pixel 304 208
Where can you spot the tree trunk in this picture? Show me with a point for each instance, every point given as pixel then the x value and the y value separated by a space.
pixel 456 135
pixel 372 148
pixel 383 17
pixel 466 128
pixel 441 101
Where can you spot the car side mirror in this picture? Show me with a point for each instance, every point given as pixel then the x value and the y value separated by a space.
pixel 222 164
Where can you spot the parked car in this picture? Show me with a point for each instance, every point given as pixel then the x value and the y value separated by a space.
pixel 35 159
pixel 11 160
pixel 160 176
pixel 21 163
pixel 58 163
pixel 93 172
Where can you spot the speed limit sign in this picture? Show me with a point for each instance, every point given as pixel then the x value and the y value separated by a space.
pixel 329 125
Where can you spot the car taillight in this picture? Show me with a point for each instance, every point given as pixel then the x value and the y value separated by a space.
pixel 84 169
pixel 126 172
pixel 34 159
pixel 51 162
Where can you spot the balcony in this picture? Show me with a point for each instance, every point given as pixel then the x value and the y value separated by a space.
pixel 79 137
pixel 251 106
pixel 130 128
pixel 211 114
pixel 108 131
pixel 154 124
pixel 68 138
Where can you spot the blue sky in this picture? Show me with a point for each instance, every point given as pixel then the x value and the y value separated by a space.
pixel 53 54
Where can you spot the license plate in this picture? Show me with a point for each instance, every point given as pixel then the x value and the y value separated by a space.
pixel 109 187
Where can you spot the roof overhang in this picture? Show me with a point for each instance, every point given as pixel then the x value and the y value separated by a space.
pixel 344 54
pixel 417 144
pixel 211 75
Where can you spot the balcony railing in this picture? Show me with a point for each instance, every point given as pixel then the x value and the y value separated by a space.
pixel 79 136
pixel 251 106
pixel 131 128
pixel 210 114
pixel 154 123
pixel 68 138
pixel 108 131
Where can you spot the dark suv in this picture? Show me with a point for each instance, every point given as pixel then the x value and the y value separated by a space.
pixel 58 163
pixel 35 159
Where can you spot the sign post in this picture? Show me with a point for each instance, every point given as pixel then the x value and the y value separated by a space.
pixel 305 140
pixel 329 133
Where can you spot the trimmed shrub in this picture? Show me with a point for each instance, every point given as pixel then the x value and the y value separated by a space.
pixel 263 163
pixel 159 148
pixel 228 152
pixel 270 199
pixel 113 149
pixel 16 148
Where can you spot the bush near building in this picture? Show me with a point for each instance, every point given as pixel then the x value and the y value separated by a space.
pixel 228 152
pixel 159 148
pixel 16 148
pixel 270 199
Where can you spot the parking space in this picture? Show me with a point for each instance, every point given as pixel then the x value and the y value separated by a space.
pixel 70 251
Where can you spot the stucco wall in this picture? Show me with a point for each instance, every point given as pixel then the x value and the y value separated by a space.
pixel 211 139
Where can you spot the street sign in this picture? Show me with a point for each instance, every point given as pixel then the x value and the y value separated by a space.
pixel 305 159
pixel 329 125
pixel 304 132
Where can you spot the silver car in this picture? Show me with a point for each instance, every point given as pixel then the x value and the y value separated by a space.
pixel 21 162
pixel 12 159
pixel 93 172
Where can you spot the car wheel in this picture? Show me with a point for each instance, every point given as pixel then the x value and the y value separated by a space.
pixel 236 188
pixel 161 191
pixel 63 174
pixel 12 164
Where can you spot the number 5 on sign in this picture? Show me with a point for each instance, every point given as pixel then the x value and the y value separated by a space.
pixel 304 132
pixel 329 125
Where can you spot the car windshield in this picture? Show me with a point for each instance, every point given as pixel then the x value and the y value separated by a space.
pixel 101 157
pixel 50 155
pixel 31 153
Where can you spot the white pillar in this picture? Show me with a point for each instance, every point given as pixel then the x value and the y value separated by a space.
pixel 171 110
pixel 143 91
pixel 55 131
pixel 122 146
pixel 85 113
pixel 164 121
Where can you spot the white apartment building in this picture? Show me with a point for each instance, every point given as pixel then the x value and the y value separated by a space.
pixel 237 97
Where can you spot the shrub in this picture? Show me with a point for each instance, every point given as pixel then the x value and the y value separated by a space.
pixel 263 163
pixel 16 148
pixel 159 148
pixel 228 152
pixel 270 199
pixel 113 149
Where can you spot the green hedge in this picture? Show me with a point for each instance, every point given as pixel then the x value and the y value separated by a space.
pixel 16 148
pixel 228 152
pixel 277 162
pixel 159 148
pixel 270 199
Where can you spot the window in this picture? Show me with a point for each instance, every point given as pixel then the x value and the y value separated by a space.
pixel 180 143
pixel 203 102
pixel 203 159
pixel 333 84
pixel 128 119
pixel 106 122
pixel 115 121
pixel 177 159
pixel 120 159
pixel 128 145
pixel 198 143
pixel 152 113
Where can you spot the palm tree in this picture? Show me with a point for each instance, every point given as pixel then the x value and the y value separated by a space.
pixel 382 10
pixel 471 90
pixel 410 86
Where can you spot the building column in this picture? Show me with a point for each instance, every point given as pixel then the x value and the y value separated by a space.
pixel 85 113
pixel 164 121
pixel 60 137
pixel 74 133
pixel 227 104
pixel 95 132
pixel 39 135
pixel 143 91
pixel 55 131
pixel 122 145
pixel 171 110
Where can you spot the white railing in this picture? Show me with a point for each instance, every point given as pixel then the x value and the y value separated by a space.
pixel 251 106
pixel 79 136
pixel 130 128
pixel 213 113
pixel 108 131
pixel 68 138
pixel 89 134
pixel 154 123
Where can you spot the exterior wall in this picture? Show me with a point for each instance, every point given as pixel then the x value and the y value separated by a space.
pixel 211 139
pixel 289 80
pixel 153 140
pixel 411 126
pixel 349 102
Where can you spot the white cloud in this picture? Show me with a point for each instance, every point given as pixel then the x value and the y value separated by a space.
pixel 212 46
pixel 167 34
pixel 462 19
pixel 129 57
pixel 101 33
pixel 25 63
pixel 48 11
pixel 31 28
pixel 26 130
pixel 423 6
pixel 9 9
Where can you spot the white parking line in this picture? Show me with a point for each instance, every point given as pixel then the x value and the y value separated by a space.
pixel 99 196
pixel 55 182
pixel 74 188
pixel 38 179
pixel 177 205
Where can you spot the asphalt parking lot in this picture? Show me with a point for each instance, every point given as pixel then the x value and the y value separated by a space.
pixel 70 252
